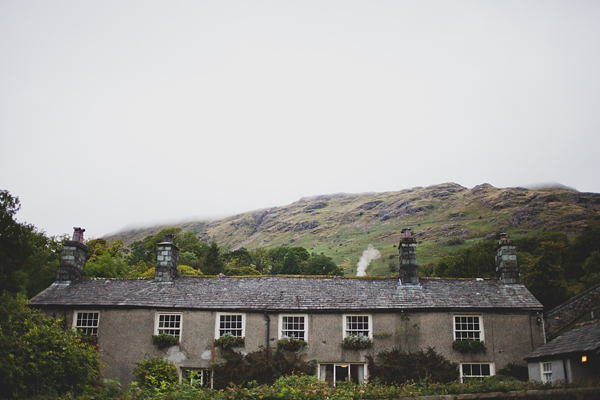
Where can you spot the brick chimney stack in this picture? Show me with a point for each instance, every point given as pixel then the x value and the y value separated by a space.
pixel 507 269
pixel 167 260
pixel 409 271
pixel 73 258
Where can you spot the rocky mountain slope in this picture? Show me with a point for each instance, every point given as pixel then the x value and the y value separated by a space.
pixel 444 217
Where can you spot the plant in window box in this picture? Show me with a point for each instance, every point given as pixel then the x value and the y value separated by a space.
pixel 359 341
pixel 228 340
pixel 468 346
pixel 163 340
pixel 290 343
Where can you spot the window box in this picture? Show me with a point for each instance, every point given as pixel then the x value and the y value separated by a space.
pixel 163 340
pixel 228 341
pixel 290 343
pixel 359 341
pixel 468 346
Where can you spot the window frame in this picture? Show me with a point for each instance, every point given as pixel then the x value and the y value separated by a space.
pixel 157 322
pixel 546 374
pixel 305 322
pixel 218 323
pixel 370 322
pixel 77 312
pixel 481 330
pixel 183 379
pixel 343 365
pixel 490 364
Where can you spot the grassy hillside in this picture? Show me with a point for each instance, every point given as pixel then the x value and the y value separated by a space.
pixel 444 217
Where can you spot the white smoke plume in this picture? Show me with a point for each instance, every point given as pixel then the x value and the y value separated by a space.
pixel 370 254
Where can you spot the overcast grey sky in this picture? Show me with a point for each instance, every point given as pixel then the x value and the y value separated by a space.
pixel 120 113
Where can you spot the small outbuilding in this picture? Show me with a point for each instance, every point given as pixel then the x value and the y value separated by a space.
pixel 573 356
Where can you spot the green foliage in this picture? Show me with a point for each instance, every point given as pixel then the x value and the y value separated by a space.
pixel 359 341
pixel 156 373
pixel 320 264
pixel 544 276
pixel 468 346
pixel 291 264
pixel 163 340
pixel 395 367
pixel 516 371
pixel 240 271
pixel 28 258
pixel 591 267
pixel 475 261
pixel 290 343
pixel 261 367
pixel 39 357
pixel 186 270
pixel 213 262
pixel 228 340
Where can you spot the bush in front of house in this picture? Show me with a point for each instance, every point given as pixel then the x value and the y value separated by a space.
pixel 262 367
pixel 392 367
pixel 38 357
pixel 155 373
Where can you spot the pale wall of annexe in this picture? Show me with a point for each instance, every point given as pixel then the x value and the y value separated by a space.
pixel 125 336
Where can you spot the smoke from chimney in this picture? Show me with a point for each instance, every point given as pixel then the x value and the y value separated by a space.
pixel 370 254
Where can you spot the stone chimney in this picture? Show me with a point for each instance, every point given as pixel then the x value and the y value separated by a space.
pixel 409 271
pixel 167 261
pixel 73 258
pixel 507 269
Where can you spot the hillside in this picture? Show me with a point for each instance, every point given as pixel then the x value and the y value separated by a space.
pixel 444 217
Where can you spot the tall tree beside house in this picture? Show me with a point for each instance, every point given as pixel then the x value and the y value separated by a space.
pixel 544 276
pixel 28 258
pixel 213 262
pixel 106 260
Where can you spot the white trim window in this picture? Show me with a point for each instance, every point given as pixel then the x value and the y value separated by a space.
pixel 339 372
pixel 468 327
pixel 546 368
pixel 168 323
pixel 355 325
pixel 293 325
pixel 232 323
pixel 476 370
pixel 87 322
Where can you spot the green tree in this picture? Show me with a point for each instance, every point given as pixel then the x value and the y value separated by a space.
pixel 320 264
pixel 213 262
pixel 260 259
pixel 475 261
pixel 28 258
pixel 291 264
pixel 39 357
pixel 106 260
pixel 544 276
pixel 591 267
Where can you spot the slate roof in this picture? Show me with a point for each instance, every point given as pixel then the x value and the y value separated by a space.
pixel 276 293
pixel 581 339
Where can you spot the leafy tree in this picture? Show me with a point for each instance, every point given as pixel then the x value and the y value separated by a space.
pixel 260 258
pixel 291 264
pixel 544 276
pixel 28 258
pixel 106 260
pixel 591 267
pixel 39 357
pixel 320 264
pixel 475 261
pixel 213 262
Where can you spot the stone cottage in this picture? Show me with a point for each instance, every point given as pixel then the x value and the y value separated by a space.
pixel 407 312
